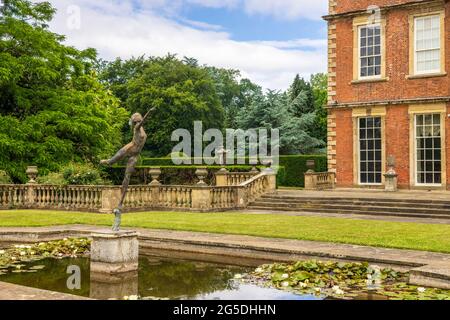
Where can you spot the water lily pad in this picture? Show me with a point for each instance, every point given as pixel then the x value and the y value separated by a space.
pixel 40 267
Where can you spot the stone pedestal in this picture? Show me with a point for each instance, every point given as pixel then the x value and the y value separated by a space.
pixel 114 253
pixel 310 180
pixel 201 198
pixel 391 182
pixel 222 178
pixel 272 179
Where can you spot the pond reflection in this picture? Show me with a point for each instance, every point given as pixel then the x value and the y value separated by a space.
pixel 158 278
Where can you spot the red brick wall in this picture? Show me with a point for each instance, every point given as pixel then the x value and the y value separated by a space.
pixel 397 141
pixel 356 5
pixel 397 64
pixel 344 147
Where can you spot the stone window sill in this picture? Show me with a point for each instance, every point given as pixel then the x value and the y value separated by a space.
pixel 428 75
pixel 369 80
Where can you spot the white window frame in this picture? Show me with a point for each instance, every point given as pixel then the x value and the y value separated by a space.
pixel 416 181
pixel 432 49
pixel 359 152
pixel 380 76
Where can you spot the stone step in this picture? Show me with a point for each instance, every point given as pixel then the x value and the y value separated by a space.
pixel 351 211
pixel 430 208
pixel 353 199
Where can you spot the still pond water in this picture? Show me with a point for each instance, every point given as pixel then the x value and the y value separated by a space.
pixel 157 278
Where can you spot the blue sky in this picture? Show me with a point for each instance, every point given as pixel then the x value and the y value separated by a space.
pixel 268 40
pixel 247 27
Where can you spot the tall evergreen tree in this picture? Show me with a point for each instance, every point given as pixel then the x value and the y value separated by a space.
pixel 301 96
pixel 272 111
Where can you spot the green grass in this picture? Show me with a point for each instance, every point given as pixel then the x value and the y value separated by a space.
pixel 404 235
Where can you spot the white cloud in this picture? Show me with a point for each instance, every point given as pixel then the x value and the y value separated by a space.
pixel 117 29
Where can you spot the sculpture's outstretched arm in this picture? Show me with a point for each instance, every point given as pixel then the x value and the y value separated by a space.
pixel 139 125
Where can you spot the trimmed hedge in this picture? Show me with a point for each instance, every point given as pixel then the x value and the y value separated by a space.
pixel 294 165
pixel 179 175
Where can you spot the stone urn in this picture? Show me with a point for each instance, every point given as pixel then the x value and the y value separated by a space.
pixel 311 165
pixel 155 173
pixel 254 170
pixel 32 172
pixel 201 174
pixel 391 176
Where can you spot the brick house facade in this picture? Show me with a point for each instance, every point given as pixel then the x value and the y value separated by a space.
pixel 389 92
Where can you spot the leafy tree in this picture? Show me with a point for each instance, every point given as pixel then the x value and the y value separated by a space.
pixel 53 109
pixel 182 93
pixel 319 84
pixel 235 93
pixel 228 91
pixel 116 74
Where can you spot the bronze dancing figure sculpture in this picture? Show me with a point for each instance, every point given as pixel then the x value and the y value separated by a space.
pixel 130 151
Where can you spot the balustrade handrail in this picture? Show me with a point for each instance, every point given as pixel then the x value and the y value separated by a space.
pixel 253 179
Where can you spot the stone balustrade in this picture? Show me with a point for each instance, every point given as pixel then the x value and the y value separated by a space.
pixel 12 196
pixel 225 178
pixel 320 180
pixel 245 187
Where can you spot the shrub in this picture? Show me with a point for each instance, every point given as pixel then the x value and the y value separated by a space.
pixel 291 176
pixel 75 174
pixel 5 178
pixel 53 178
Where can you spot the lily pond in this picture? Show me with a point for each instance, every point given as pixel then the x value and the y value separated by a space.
pixel 56 265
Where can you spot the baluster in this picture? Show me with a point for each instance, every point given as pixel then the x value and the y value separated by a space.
pixel 78 197
pixel 63 197
pixel 164 200
pixel 36 196
pixel 140 199
pixel 182 198
pixel 87 198
pixel 185 198
pixel 9 196
pixel 168 195
pixel 13 196
pixel 161 197
pixel 69 197
pixel 50 195
pixel 83 196
pixel 137 196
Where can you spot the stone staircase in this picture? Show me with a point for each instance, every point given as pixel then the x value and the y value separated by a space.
pixel 351 204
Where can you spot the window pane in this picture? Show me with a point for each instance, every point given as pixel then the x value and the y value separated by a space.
pixel 428 44
pixel 370 150
pixel 428 149
pixel 370 51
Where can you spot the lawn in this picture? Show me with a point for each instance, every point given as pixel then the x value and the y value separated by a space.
pixel 430 237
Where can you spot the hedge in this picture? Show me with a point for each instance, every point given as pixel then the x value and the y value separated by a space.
pixel 295 168
pixel 294 165
pixel 180 175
